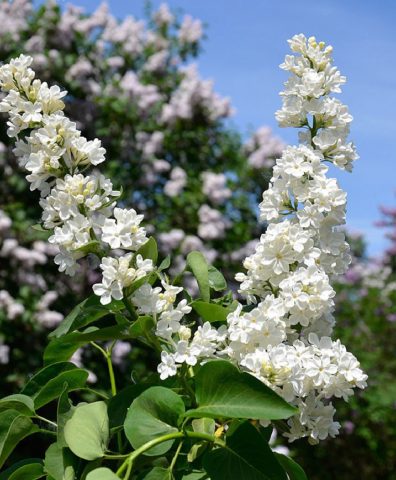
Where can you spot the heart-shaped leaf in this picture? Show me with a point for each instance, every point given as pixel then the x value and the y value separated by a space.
pixel 159 473
pixel 21 403
pixel 204 425
pixel 293 469
pixel 49 382
pixel 154 413
pixel 32 471
pixel 14 427
pixel 87 431
pixel 246 457
pixel 57 460
pixel 223 391
pixel 64 412
pixel 119 404
pixel 102 473
pixel 6 474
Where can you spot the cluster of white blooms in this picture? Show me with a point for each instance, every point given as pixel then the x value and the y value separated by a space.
pixel 149 144
pixel 177 181
pixel 182 345
pixel 81 209
pixel 285 336
pixel 21 265
pixel 212 223
pixel 10 306
pixel 190 30
pixel 163 15
pixel 215 187
pixel 12 17
pixel 285 339
pixel 262 148
pixel 44 315
pixel 192 95
pixel 307 96
pixel 145 96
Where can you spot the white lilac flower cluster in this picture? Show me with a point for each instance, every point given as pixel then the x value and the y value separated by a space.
pixel 12 17
pixel 182 345
pixel 214 186
pixel 81 209
pixel 192 94
pixel 23 263
pixel 285 339
pixel 262 148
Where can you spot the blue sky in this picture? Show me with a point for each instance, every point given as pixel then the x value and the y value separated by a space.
pixel 246 43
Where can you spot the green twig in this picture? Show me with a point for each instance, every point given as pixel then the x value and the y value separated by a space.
pixel 46 420
pixel 128 463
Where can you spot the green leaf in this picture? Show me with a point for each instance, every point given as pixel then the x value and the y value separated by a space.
pixel 199 268
pixel 64 412
pixel 196 451
pixel 149 250
pixel 246 457
pixel 196 476
pixel 87 431
pixel 85 313
pixel 211 312
pixel 5 475
pixel 57 460
pixel 142 326
pixel 165 263
pixel 32 471
pixel 119 404
pixel 62 348
pixel 204 425
pixel 154 413
pixel 21 403
pixel 293 469
pixel 216 279
pixel 14 427
pixel 102 473
pixel 223 391
pixel 39 228
pixel 49 382
pixel 159 473
pixel 69 474
pixel 90 247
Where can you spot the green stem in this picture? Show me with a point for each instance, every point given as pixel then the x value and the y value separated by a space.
pixel 98 347
pixel 173 462
pixel 95 392
pixel 107 356
pixel 129 307
pixel 128 472
pixel 111 370
pixel 49 432
pixel 117 457
pixel 46 420
pixel 314 130
pixel 189 390
pixel 127 464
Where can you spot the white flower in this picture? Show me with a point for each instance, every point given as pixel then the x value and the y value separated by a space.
pixel 167 367
pixel 147 300
pixel 123 230
pixel 119 274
